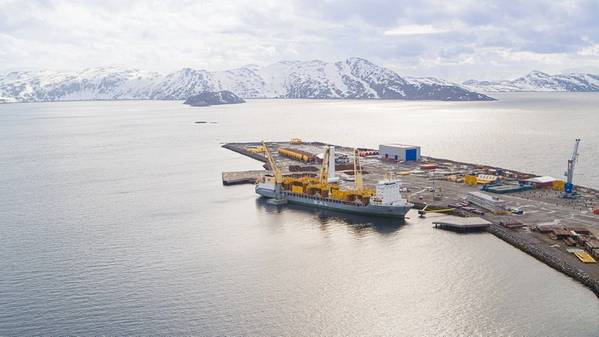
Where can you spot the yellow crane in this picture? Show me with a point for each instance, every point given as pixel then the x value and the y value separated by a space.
pixel 358 181
pixel 273 165
pixel 324 169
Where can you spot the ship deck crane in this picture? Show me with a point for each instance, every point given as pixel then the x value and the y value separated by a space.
pixel 569 185
pixel 324 169
pixel 273 165
pixel 278 199
pixel 358 180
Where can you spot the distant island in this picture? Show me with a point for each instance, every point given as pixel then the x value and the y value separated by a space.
pixel 207 98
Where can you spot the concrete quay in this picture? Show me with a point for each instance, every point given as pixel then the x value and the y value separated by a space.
pixel 242 177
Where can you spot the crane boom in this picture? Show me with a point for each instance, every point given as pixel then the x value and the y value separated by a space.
pixel 358 181
pixel 273 165
pixel 324 169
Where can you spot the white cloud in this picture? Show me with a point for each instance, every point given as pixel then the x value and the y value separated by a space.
pixel 459 40
pixel 415 30
pixel 592 50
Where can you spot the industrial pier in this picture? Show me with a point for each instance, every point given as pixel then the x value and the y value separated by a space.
pixel 243 177
pixel 462 224
pixel 548 218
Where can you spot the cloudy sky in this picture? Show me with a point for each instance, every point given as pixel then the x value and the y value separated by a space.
pixel 455 40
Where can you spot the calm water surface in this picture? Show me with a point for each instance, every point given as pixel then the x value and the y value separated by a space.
pixel 113 221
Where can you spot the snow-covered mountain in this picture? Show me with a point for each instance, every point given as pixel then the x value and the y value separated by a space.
pixel 540 81
pixel 353 78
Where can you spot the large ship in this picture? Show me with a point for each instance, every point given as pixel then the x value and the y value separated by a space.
pixel 325 191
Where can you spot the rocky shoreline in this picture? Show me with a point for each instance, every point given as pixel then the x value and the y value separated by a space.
pixel 545 255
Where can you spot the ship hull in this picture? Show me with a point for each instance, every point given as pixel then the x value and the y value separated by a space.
pixel 335 205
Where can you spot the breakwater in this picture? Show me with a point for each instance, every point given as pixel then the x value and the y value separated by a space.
pixel 545 255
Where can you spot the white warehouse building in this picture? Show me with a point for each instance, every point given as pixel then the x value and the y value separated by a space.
pixel 399 152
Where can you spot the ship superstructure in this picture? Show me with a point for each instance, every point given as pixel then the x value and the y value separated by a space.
pixel 323 192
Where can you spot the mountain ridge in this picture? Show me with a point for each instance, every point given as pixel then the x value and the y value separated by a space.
pixel 353 78
pixel 539 81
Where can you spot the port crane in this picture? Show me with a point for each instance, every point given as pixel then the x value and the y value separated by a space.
pixel 569 186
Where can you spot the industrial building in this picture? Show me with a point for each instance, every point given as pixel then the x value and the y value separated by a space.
pixel 399 152
pixel 540 182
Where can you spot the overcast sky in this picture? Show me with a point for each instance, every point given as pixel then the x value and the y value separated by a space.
pixel 455 40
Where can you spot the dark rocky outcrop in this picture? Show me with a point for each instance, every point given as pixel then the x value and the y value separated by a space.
pixel 207 98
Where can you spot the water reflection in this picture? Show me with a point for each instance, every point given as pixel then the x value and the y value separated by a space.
pixel 183 255
pixel 359 224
